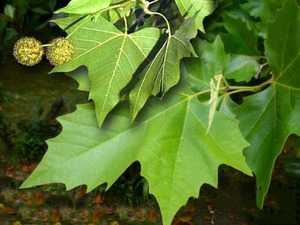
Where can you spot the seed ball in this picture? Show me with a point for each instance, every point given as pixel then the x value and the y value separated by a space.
pixel 60 51
pixel 28 51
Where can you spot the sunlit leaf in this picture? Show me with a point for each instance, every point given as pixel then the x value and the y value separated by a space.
pixel 111 57
pixel 169 140
pixel 188 8
pixel 164 70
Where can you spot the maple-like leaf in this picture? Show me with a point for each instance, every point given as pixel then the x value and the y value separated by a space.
pixel 111 57
pixel 169 140
pixel 188 8
pixel 164 70
pixel 268 118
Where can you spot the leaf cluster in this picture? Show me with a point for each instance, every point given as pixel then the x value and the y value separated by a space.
pixel 233 100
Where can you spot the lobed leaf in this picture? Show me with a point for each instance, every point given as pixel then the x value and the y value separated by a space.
pixel 188 8
pixel 242 68
pixel 169 140
pixel 111 57
pixel 164 70
pixel 268 118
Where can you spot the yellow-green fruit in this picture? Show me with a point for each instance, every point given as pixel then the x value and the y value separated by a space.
pixel 28 51
pixel 60 51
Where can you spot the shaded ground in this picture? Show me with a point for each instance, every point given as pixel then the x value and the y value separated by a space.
pixel 126 203
pixel 30 86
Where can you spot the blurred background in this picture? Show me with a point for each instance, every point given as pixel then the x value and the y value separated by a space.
pixel 30 102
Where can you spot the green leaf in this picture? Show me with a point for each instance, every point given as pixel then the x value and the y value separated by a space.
pixel 228 106
pixel 82 78
pixel 214 98
pixel 212 60
pixel 170 141
pixel 116 14
pixel 189 7
pixel 241 39
pixel 242 68
pixel 208 68
pixel 111 57
pixel 265 10
pixel 84 6
pixel 212 64
pixel 164 70
pixel 241 42
pixel 233 9
pixel 9 10
pixel 268 118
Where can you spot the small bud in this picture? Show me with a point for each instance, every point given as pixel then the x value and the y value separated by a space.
pixel 28 51
pixel 60 51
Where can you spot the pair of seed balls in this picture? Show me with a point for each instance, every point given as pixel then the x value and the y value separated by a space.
pixel 28 51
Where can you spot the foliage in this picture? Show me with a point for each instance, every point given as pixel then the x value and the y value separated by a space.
pixel 276 114
pixel 181 136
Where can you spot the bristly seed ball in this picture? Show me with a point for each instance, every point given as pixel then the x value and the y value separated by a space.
pixel 60 51
pixel 28 51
